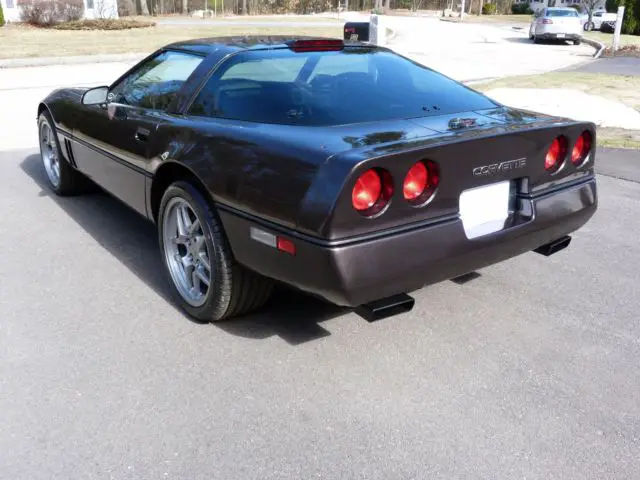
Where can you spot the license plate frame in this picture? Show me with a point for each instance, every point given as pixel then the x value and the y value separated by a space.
pixel 485 209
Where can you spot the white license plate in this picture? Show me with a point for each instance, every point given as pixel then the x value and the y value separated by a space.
pixel 483 210
pixel 560 35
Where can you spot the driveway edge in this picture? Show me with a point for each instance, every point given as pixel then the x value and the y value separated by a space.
pixel 595 44
pixel 70 60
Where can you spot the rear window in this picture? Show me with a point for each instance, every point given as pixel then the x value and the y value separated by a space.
pixel 329 88
pixel 562 13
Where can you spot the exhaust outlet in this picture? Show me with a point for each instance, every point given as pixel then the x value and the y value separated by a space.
pixel 554 247
pixel 385 307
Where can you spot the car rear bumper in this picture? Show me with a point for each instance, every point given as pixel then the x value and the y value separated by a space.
pixel 364 270
pixel 558 36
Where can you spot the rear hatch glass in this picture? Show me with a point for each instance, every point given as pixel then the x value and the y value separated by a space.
pixel 353 85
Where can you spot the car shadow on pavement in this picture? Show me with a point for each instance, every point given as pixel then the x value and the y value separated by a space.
pixel 291 315
pixel 519 40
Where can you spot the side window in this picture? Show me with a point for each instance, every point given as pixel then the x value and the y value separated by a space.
pixel 243 87
pixel 157 82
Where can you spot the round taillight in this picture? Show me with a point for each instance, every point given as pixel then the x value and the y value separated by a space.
pixel 372 191
pixel 420 182
pixel 582 148
pixel 556 154
pixel 415 182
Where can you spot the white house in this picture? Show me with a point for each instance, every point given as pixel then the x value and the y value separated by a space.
pixel 92 9
pixel 540 4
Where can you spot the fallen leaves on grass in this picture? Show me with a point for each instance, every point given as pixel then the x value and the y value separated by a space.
pixel 624 51
pixel 103 24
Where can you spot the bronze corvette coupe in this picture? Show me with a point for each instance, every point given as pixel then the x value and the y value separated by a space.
pixel 338 168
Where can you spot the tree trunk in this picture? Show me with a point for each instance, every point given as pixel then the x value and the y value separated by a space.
pixel 144 8
pixel 185 6
pixel 387 6
pixel 244 7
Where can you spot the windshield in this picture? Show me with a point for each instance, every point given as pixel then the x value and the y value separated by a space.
pixel 330 88
pixel 562 13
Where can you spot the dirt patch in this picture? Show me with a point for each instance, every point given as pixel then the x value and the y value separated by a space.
pixel 620 88
pixel 103 24
pixel 619 138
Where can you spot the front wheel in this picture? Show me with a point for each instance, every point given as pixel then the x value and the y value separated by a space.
pixel 62 177
pixel 205 278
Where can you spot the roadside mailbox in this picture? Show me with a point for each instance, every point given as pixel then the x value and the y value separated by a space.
pixel 356 31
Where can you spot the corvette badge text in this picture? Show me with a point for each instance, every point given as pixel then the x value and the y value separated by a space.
pixel 499 167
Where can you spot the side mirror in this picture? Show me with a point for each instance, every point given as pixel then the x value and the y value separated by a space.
pixel 95 96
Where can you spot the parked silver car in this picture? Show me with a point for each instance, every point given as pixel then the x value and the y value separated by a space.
pixel 556 24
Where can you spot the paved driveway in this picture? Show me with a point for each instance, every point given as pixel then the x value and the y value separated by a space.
pixel 530 371
pixel 477 51
pixel 610 66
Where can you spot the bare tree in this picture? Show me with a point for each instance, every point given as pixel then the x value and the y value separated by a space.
pixel 590 6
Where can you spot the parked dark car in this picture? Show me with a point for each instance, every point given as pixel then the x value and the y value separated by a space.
pixel 608 26
pixel 341 169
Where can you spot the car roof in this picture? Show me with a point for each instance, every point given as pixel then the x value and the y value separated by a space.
pixel 228 44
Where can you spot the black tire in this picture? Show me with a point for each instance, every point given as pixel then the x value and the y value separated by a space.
pixel 233 289
pixel 536 40
pixel 577 42
pixel 71 181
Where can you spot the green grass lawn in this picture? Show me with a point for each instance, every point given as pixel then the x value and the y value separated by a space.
pixel 20 41
pixel 497 18
pixel 624 89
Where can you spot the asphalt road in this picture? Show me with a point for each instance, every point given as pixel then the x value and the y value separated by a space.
pixel 529 371
pixel 611 66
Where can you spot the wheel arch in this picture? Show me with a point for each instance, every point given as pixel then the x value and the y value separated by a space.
pixel 167 174
pixel 42 107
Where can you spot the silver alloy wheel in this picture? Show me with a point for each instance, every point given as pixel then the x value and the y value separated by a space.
pixel 49 153
pixel 186 251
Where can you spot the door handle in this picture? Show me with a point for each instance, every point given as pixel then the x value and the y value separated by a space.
pixel 142 134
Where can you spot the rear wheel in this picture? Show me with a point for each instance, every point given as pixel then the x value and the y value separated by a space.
pixel 205 278
pixel 63 178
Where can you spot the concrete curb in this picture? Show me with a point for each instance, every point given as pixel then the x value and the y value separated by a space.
pixel 595 44
pixel 71 60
